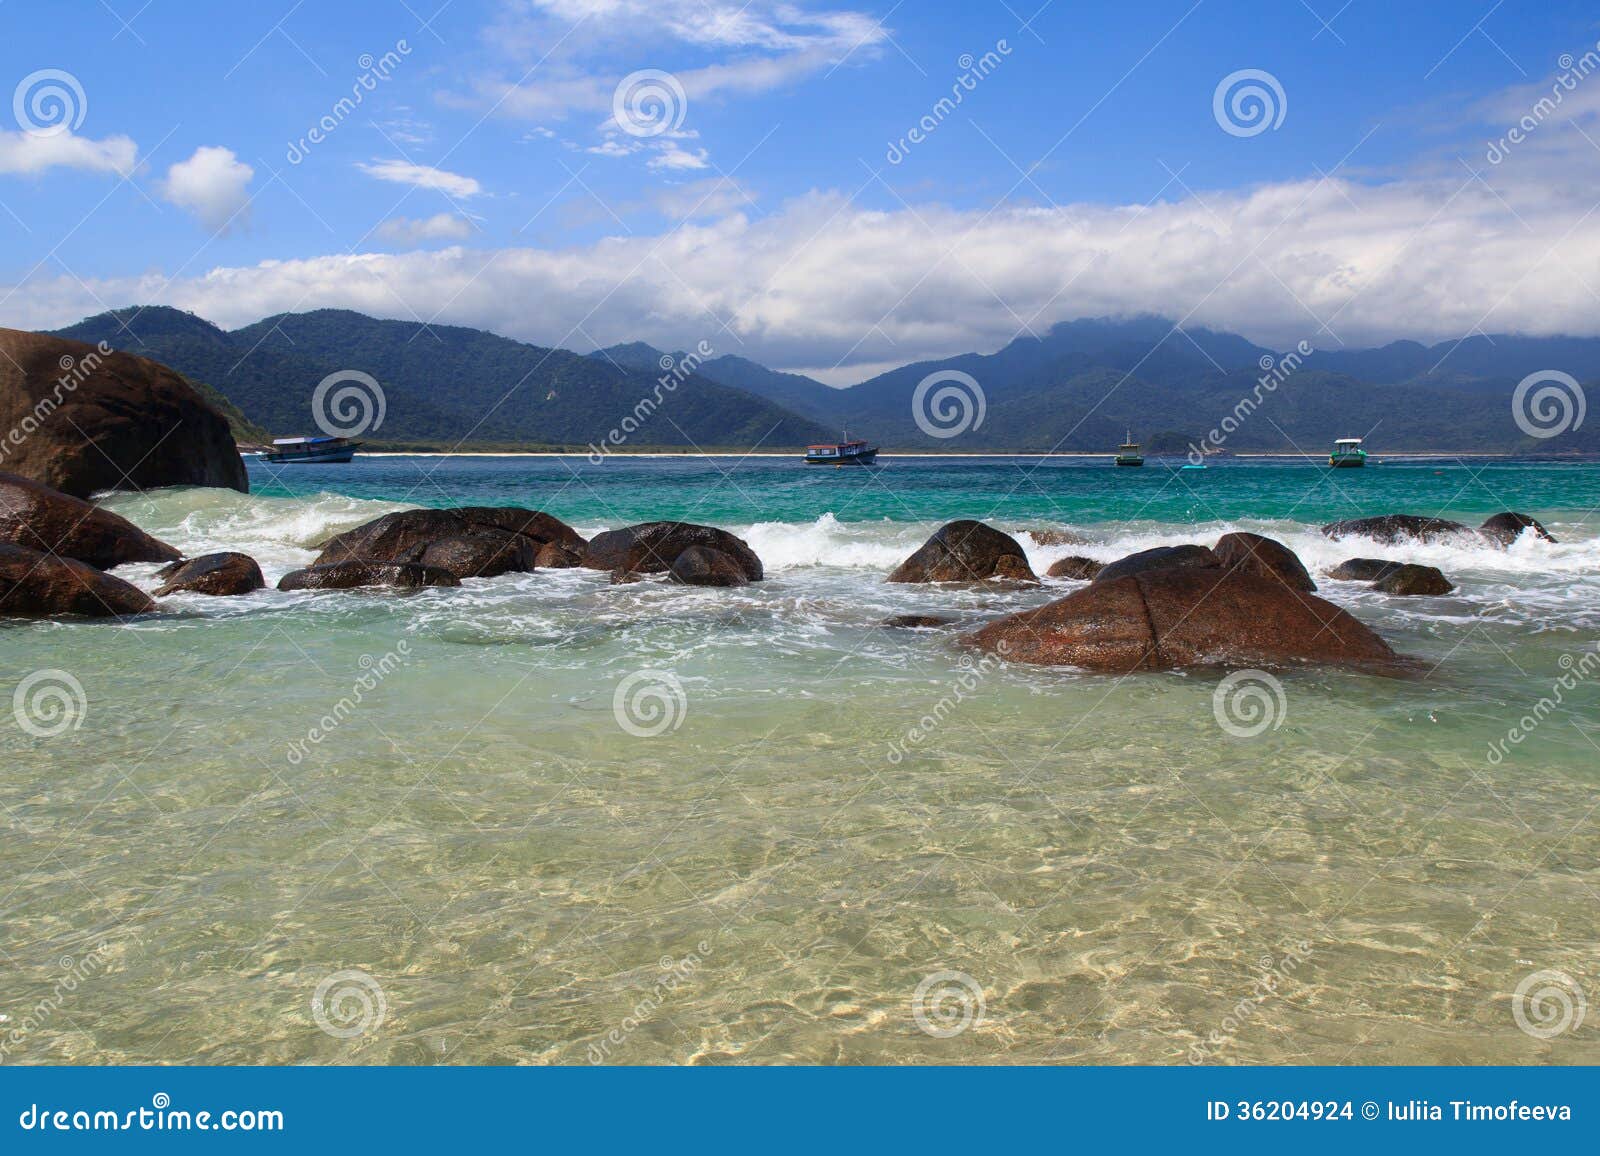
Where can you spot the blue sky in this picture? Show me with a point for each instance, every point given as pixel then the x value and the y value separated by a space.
pixel 486 179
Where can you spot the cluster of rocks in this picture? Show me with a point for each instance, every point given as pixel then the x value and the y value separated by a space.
pixel 1406 578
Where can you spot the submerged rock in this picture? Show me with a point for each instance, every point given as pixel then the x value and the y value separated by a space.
pixel 1173 618
pixel 1391 528
pixel 652 548
pixel 966 551
pixel 36 585
pixel 349 575
pixel 1410 579
pixel 916 621
pixel 1506 528
pixel 1076 567
pixel 470 542
pixel 36 517
pixel 1160 558
pixel 1362 569
pixel 1265 558
pixel 108 421
pixel 1054 537
pixel 218 574
pixel 703 566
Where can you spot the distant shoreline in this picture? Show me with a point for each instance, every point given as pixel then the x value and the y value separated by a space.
pixel 1411 455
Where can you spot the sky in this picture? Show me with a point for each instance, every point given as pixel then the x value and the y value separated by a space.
pixel 833 187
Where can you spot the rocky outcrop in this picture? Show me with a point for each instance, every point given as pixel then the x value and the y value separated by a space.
pixel 1166 619
pixel 1362 569
pixel 217 574
pixel 916 621
pixel 1265 558
pixel 1160 558
pixel 652 548
pixel 470 542
pixel 1078 568
pixel 349 575
pixel 37 517
pixel 1391 528
pixel 1053 537
pixel 703 566
pixel 559 555
pixel 81 421
pixel 36 585
pixel 1409 579
pixel 966 551
pixel 1507 527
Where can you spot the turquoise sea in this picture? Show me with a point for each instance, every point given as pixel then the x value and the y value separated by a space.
pixel 544 819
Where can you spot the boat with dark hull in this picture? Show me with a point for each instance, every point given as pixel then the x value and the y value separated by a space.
pixel 319 451
pixel 845 453
pixel 1128 453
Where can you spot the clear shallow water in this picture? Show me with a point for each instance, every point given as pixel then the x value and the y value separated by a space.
pixel 1114 870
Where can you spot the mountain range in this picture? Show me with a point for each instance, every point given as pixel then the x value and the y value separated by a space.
pixel 1082 386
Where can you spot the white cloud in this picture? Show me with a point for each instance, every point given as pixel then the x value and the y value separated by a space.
pixel 669 155
pixel 613 148
pixel 422 177
pixel 213 184
pixel 820 280
pixel 712 197
pixel 31 153
pixel 439 227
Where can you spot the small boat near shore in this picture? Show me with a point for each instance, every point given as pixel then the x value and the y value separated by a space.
pixel 845 453
pixel 1128 452
pixel 1347 454
pixel 317 450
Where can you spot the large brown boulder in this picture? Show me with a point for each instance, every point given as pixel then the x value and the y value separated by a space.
pixel 1391 528
pixel 1078 568
pixel 1362 569
pixel 471 542
pixel 1506 528
pixel 1160 558
pixel 703 566
pixel 34 585
pixel 1410 579
pixel 1263 557
pixel 652 548
pixel 218 574
pixel 83 419
pixel 350 575
pixel 39 518
pixel 1165 619
pixel 966 551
